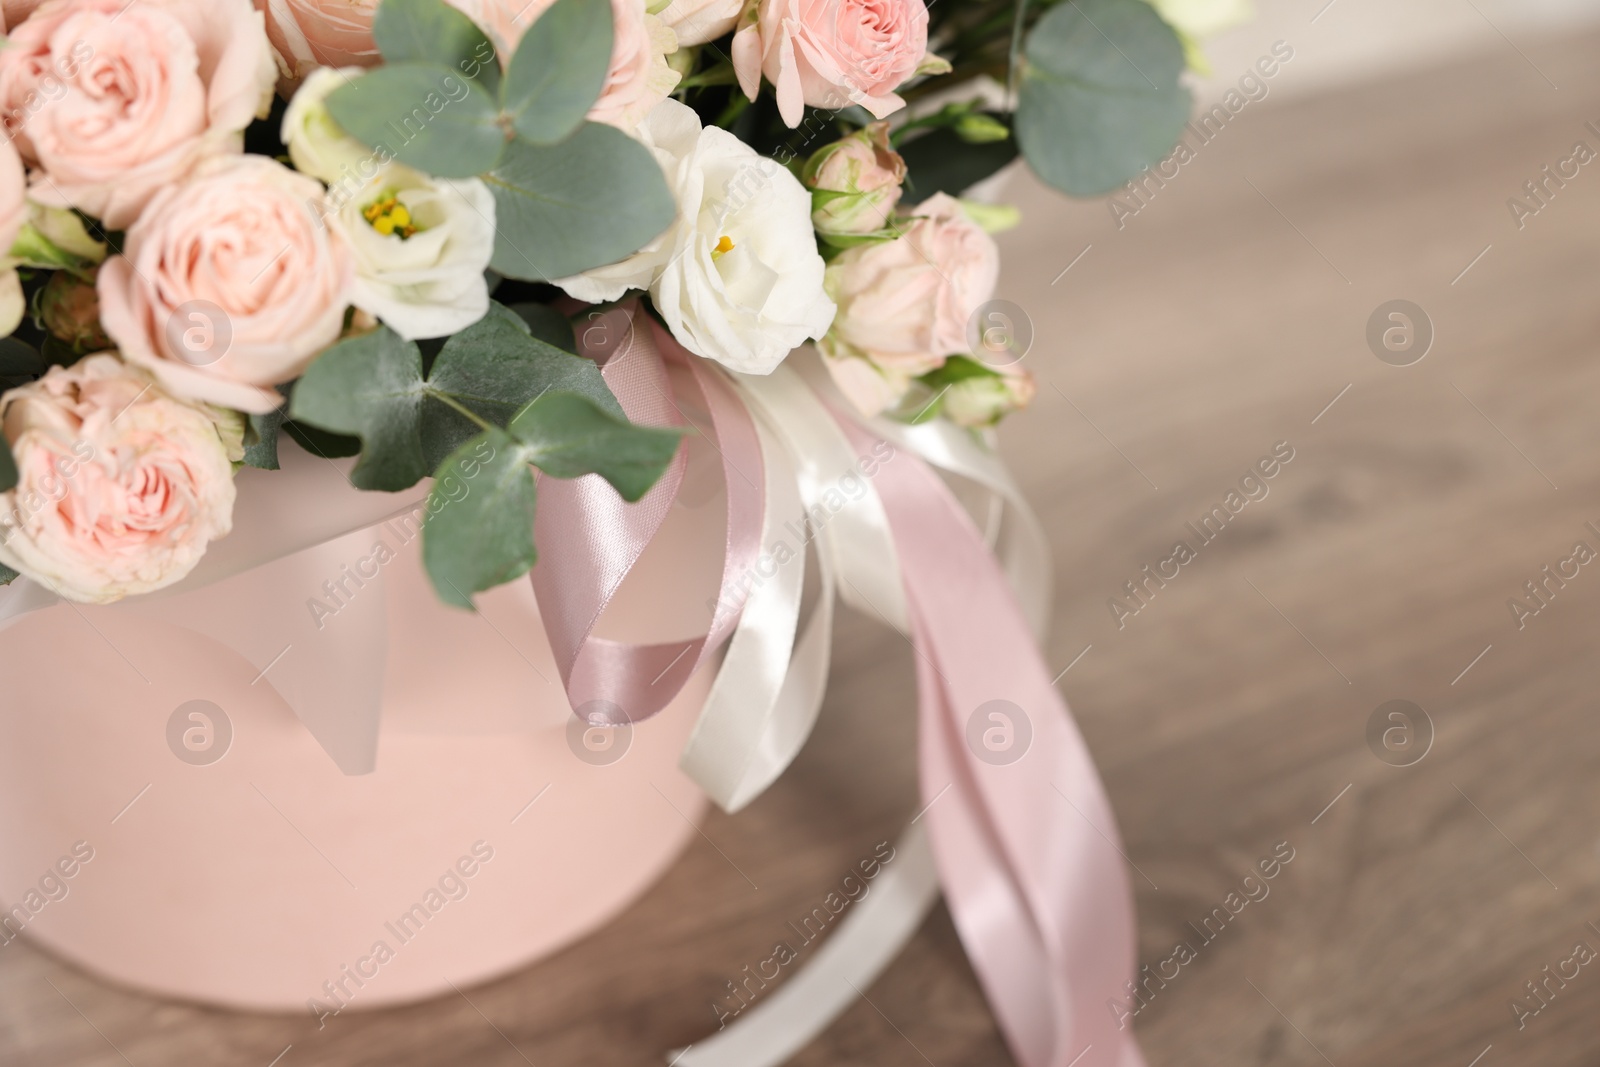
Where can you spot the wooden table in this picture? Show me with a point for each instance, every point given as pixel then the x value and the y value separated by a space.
pixel 1232 712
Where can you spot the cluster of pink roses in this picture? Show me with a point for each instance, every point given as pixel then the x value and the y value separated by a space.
pixel 225 285
pixel 129 118
pixel 825 53
pixel 907 288
pixel 109 108
pixel 307 34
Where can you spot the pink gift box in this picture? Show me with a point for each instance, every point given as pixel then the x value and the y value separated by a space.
pixel 167 821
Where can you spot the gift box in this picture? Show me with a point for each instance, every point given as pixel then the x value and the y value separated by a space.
pixel 169 822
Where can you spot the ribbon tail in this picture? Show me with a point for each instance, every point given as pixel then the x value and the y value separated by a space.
pixel 590 539
pixel 727 746
pixel 867 941
pixel 1020 825
pixel 818 492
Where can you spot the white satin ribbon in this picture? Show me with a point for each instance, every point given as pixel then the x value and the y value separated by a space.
pixel 735 762
pixel 869 938
pixel 731 733
pixel 764 702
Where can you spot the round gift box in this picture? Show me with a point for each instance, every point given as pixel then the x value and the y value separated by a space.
pixel 226 859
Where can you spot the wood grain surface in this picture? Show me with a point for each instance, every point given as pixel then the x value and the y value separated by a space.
pixel 1231 713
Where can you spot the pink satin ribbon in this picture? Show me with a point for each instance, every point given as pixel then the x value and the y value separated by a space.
pixel 1028 851
pixel 589 538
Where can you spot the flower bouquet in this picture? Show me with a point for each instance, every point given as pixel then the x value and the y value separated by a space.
pixel 293 286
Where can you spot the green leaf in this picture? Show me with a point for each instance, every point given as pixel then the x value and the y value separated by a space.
pixel 431 31
pixel 548 325
pixel 20 362
pixel 7 575
pixel 498 310
pixel 374 387
pixel 567 436
pixel 559 69
pixel 425 115
pixel 479 530
pixel 8 468
pixel 941 162
pixel 957 369
pixel 321 442
pixel 1100 98
pixel 597 197
pixel 494 368
pixel 261 440
pixel 370 387
pixel 841 241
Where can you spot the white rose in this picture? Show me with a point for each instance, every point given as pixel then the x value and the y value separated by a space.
pixel 737 277
pixel 317 144
pixel 421 246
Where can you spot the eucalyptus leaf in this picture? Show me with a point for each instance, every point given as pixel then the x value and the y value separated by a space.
pixel 261 442
pixel 548 325
pixel 559 69
pixel 597 197
pixel 479 530
pixel 321 442
pixel 425 115
pixel 370 387
pixel 431 31
pixel 1100 98
pixel 940 161
pixel 374 387
pixel 20 361
pixel 568 435
pixel 498 310
pixel 494 368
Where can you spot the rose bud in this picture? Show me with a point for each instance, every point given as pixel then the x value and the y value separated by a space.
pixel 983 399
pixel 855 182
pixel 905 304
pixel 70 310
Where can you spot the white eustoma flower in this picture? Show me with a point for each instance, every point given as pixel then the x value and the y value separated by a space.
pixel 421 246
pixel 1202 18
pixel 318 145
pixel 737 277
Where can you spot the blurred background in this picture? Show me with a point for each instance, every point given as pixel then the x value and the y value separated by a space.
pixel 1341 674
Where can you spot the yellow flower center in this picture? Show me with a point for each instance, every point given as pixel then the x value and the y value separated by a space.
pixel 389 217
pixel 724 246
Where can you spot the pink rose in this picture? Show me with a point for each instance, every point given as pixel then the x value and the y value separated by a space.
pixel 13 195
pixel 904 304
pixel 699 21
pixel 117 100
pixel 832 53
pixel 639 78
pixel 13 12
pixel 869 387
pixel 307 34
pixel 229 283
pixel 120 487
